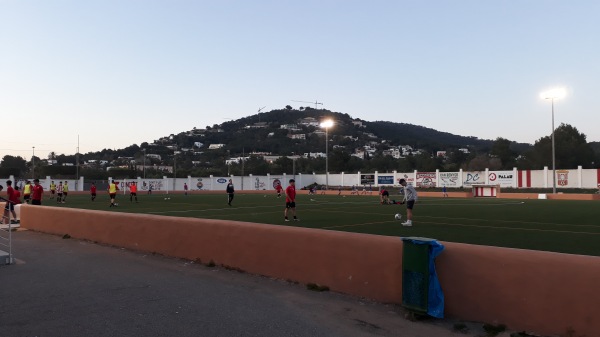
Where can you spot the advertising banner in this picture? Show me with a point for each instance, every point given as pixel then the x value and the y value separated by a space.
pixel 409 177
pixel 151 185
pixel 426 179
pixel 448 179
pixel 366 179
pixel 562 178
pixel 473 178
pixel 385 180
pixel 276 182
pixel 502 178
pixel 260 183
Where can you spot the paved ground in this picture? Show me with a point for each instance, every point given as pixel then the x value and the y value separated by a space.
pixel 66 287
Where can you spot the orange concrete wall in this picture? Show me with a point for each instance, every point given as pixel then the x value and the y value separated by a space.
pixel 540 292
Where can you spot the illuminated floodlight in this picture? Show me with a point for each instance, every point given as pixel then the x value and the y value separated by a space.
pixel 327 123
pixel 556 93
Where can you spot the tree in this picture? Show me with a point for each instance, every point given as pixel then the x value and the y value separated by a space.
pixel 479 163
pixel 282 165
pixel 17 162
pixel 501 149
pixel 288 107
pixel 571 149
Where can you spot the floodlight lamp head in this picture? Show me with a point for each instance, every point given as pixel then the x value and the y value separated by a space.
pixel 556 93
pixel 327 123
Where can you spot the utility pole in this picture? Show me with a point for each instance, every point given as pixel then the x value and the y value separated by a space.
pixel 33 164
pixel 77 164
pixel 243 160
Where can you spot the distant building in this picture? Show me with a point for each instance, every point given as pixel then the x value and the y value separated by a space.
pixel 359 154
pixel 215 146
pixel 358 123
pixel 464 150
pixel 297 136
pixel 309 121
pixel 441 154
pixel 155 156
pixel 162 168
pixel 235 160
pixel 259 125
pixel 290 127
pixel 198 144
pixel 314 155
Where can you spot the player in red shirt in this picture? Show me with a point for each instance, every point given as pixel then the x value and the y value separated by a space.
pixel 384 196
pixel 290 200
pixel 93 191
pixel 133 192
pixel 38 190
pixel 278 188
pixel 13 199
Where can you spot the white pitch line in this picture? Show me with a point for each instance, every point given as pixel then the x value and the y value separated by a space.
pixel 513 228
pixel 476 226
pixel 469 219
pixel 213 209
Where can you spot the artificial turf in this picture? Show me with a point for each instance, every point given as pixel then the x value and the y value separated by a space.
pixel 551 225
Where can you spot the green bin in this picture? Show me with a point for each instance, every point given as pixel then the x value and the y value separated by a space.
pixel 419 280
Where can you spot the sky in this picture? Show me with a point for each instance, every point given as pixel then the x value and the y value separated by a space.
pixel 117 73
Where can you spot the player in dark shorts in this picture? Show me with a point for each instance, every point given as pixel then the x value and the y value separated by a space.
pixel 27 192
pixel 290 200
pixel 93 191
pixel 410 197
pixel 36 193
pixel 52 190
pixel 112 192
pixel 230 192
pixel 384 196
pixel 133 192
pixel 13 199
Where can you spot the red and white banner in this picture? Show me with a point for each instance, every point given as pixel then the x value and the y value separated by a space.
pixel 524 178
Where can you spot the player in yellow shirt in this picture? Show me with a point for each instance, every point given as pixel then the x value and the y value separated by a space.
pixel 27 191
pixel 52 189
pixel 112 191
pixel 65 191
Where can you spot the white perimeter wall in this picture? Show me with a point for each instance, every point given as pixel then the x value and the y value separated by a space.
pixel 571 178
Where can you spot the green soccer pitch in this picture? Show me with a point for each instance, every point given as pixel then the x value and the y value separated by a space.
pixel 551 225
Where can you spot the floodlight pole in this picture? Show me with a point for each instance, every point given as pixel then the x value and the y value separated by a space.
pixel 553 153
pixel 144 163
pixel 326 158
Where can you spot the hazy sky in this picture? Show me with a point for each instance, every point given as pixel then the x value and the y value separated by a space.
pixel 124 72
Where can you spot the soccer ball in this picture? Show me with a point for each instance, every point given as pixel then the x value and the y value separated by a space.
pixel 398 216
